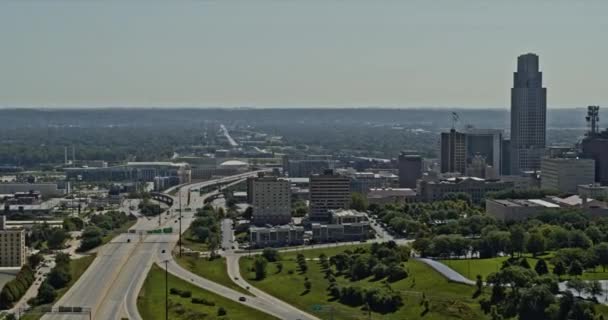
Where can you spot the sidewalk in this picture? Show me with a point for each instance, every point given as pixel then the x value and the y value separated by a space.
pixel 446 271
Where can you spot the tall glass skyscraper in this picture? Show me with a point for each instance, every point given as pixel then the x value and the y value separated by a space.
pixel 528 115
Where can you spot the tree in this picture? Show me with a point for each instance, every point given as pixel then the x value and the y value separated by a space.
pixel 479 283
pixel 34 260
pixel 270 254
pixel 307 285
pixel 259 265
pixel 579 239
pixel 279 267
pixel 46 293
pixel 56 238
pixel 518 239
pixel 221 311
pixel 559 269
pixel 594 288
pixel 575 269
pixel 533 303
pixel 541 267
pixel 536 244
pixel 577 285
pixel 358 202
pixel 601 254
pixel 422 246
pixel 595 234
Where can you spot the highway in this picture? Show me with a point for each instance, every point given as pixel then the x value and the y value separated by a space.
pixel 111 284
pixel 228 137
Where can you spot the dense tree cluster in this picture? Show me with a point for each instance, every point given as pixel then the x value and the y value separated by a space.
pixel 42 233
pixel 58 278
pixel 99 226
pixel 16 288
pixel 206 227
pixel 517 291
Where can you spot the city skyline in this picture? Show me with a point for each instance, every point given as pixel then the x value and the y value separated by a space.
pixel 232 54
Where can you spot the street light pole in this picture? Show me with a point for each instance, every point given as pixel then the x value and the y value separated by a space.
pixel 166 290
pixel 180 222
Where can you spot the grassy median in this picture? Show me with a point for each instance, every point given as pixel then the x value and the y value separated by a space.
pixel 151 301
pixel 214 270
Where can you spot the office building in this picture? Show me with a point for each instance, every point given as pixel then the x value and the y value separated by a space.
pixel 521 209
pixel 566 174
pixel 593 191
pixel 362 182
pixel 453 151
pixel 410 170
pixel 342 216
pixel 312 164
pixel 132 171
pixel 328 191
pixel 596 147
pixel 44 189
pixel 277 236
pixel 528 115
pixel 476 188
pixel 383 196
pixel 271 201
pixel 486 143
pixel 12 245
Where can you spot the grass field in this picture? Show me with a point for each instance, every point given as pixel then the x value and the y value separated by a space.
pixel 151 301
pixel 447 300
pixel 470 268
pixel 214 270
pixel 77 268
pixel 189 242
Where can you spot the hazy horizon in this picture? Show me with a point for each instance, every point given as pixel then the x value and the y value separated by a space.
pixel 313 54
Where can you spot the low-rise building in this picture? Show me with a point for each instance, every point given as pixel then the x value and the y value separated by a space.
pixel 12 245
pixel 284 235
pixel 342 216
pixel 518 209
pixel 476 188
pixel 593 190
pixel 383 196
pixel 340 232
pixel 44 189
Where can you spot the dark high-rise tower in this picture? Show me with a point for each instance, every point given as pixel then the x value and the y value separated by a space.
pixel 528 115
pixel 410 170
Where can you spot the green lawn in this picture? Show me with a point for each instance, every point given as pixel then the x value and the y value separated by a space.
pixel 470 268
pixel 191 243
pixel 447 300
pixel 77 268
pixel 214 270
pixel 151 301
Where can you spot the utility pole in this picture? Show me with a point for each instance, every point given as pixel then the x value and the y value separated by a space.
pixel 180 221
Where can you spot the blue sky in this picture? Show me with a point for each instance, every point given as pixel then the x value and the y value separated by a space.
pixel 450 53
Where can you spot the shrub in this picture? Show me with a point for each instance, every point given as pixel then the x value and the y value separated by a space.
pixel 221 311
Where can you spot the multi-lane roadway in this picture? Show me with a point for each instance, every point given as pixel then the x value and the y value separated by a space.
pixel 109 287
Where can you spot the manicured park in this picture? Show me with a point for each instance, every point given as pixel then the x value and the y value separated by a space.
pixel 182 303
pixel 445 300
pixel 470 268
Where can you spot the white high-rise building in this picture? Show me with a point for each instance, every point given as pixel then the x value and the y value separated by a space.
pixel 271 201
pixel 528 115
